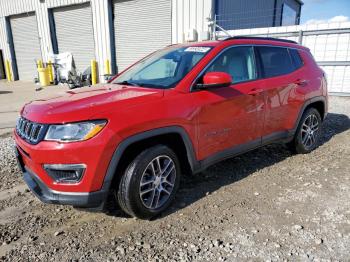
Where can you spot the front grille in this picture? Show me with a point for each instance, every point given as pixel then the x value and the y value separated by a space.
pixel 30 131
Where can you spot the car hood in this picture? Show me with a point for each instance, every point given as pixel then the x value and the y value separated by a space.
pixel 79 105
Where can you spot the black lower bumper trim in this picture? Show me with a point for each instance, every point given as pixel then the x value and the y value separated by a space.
pixel 93 200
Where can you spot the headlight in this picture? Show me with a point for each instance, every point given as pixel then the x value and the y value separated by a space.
pixel 74 131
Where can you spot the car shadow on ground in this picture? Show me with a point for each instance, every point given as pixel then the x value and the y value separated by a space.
pixel 5 92
pixel 232 170
pixel 195 187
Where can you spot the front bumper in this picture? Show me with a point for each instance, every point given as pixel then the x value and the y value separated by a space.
pixel 95 153
pixel 46 195
pixel 92 200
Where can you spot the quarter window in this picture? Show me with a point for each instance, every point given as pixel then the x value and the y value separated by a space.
pixel 297 61
pixel 275 61
pixel 236 61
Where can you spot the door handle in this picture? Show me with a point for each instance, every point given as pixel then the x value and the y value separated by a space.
pixel 301 82
pixel 255 91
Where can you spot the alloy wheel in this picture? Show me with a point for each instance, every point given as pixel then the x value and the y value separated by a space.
pixel 157 182
pixel 309 131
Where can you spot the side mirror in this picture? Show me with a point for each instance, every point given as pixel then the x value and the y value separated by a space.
pixel 215 80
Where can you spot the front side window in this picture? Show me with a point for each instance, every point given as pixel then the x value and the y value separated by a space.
pixel 237 61
pixel 275 61
pixel 163 69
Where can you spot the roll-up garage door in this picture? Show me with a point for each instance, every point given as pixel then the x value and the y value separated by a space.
pixel 2 66
pixel 141 27
pixel 26 44
pixel 74 33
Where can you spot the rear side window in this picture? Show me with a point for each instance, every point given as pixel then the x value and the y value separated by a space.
pixel 297 61
pixel 275 61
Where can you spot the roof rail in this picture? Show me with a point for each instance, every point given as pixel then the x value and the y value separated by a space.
pixel 260 38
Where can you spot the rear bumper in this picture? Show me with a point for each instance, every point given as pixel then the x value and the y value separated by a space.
pixel 94 200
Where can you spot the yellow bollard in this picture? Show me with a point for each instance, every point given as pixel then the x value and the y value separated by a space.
pixel 107 67
pixel 8 71
pixel 93 72
pixel 49 66
pixel 40 64
pixel 44 76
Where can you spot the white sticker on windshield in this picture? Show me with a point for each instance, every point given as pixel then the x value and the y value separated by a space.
pixel 198 49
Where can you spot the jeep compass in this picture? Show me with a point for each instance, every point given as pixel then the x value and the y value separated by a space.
pixel 177 111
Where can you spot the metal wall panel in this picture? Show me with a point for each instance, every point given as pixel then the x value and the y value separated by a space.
pixel 295 5
pixel 101 34
pixel 241 14
pixel 60 3
pixel 13 7
pixel 141 27
pixel 244 13
pixel 26 44
pixel 74 32
pixel 190 14
pixel 3 39
pixel 7 8
pixel 185 15
pixel 99 21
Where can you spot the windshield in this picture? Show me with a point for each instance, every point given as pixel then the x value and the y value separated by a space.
pixel 163 69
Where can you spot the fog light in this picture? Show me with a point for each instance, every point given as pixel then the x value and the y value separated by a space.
pixel 61 173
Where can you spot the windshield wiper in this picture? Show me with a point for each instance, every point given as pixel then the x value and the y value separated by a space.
pixel 152 86
pixel 149 85
pixel 126 83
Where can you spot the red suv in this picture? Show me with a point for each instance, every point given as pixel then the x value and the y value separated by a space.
pixel 177 111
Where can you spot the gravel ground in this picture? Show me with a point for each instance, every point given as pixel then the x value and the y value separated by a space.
pixel 265 205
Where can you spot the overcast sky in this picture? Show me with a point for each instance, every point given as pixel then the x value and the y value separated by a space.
pixel 317 11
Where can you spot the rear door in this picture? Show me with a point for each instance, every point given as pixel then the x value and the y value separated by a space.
pixel 281 88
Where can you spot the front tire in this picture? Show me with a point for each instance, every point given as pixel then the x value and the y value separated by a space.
pixel 307 135
pixel 149 183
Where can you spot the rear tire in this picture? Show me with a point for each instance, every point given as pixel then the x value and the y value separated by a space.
pixel 307 135
pixel 149 183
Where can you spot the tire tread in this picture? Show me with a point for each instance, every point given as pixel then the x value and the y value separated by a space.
pixel 124 195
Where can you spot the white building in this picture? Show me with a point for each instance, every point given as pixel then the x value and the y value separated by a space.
pixel 121 31
pixel 124 31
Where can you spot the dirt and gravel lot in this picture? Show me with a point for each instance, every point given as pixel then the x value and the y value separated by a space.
pixel 265 205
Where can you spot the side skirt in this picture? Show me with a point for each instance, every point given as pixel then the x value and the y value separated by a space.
pixel 278 137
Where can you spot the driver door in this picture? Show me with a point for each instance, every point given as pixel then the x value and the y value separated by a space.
pixel 231 118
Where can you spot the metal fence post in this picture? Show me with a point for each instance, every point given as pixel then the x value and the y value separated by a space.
pixel 214 28
pixel 300 38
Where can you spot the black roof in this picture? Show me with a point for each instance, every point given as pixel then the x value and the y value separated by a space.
pixel 260 38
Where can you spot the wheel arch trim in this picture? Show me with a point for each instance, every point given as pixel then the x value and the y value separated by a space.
pixel 306 104
pixel 113 164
